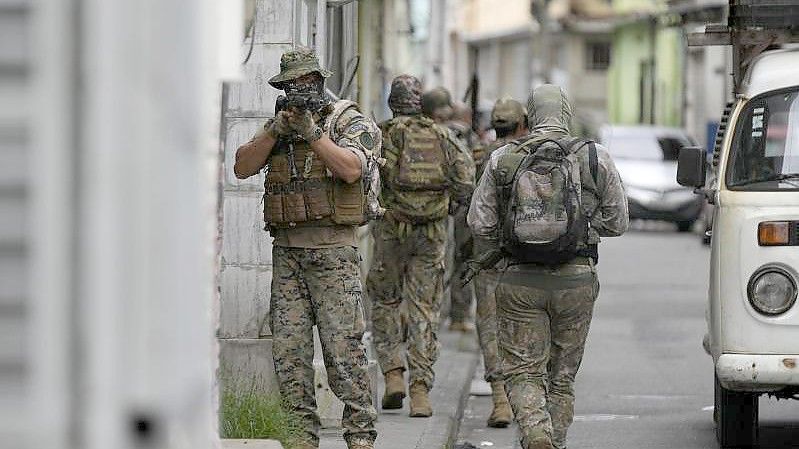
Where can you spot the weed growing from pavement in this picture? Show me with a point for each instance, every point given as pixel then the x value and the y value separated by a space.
pixel 246 413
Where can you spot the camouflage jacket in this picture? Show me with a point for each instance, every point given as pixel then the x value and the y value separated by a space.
pixel 486 154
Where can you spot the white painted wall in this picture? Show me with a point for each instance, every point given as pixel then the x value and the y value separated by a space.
pixel 108 162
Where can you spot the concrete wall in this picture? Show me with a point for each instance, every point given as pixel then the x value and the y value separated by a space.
pixel 708 88
pixel 246 265
pixel 488 17
pixel 503 69
pixel 587 88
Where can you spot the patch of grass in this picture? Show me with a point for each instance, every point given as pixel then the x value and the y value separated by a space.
pixel 247 414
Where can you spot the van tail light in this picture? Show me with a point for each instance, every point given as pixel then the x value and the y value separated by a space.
pixel 774 233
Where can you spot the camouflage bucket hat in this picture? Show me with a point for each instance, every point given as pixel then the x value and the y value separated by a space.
pixel 507 111
pixel 296 63
pixel 406 95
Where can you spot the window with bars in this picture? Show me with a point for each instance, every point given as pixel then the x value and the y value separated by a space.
pixel 597 55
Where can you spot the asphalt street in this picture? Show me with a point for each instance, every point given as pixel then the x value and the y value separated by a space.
pixel 646 382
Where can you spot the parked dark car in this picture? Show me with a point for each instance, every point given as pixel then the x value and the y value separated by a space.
pixel 646 157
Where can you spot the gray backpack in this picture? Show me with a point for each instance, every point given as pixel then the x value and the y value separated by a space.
pixel 540 200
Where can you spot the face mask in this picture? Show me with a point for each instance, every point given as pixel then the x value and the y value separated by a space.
pixel 309 95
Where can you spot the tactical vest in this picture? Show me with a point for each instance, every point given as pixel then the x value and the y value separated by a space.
pixel 301 191
pixel 416 170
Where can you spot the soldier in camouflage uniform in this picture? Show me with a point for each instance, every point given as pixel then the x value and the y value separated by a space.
pixel 544 310
pixel 438 105
pixel 425 170
pixel 509 120
pixel 318 160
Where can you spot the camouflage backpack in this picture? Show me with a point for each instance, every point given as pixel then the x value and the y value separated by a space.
pixel 417 168
pixel 540 189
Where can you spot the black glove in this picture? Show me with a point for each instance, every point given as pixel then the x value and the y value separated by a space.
pixel 472 268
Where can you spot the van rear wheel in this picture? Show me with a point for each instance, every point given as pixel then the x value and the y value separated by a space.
pixel 736 416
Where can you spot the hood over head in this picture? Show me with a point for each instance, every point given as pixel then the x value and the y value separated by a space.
pixel 549 110
pixel 406 95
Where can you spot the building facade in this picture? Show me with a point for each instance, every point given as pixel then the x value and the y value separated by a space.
pixel 646 75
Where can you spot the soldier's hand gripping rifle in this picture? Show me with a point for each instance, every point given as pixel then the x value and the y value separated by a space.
pixel 474 266
pixel 286 143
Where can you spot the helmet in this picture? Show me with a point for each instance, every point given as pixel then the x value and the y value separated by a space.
pixel 507 112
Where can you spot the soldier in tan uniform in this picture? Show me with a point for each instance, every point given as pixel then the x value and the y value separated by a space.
pixel 425 170
pixel 509 120
pixel 318 157
pixel 437 104
pixel 542 203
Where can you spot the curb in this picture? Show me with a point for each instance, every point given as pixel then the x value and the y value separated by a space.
pixel 455 426
pixel 442 432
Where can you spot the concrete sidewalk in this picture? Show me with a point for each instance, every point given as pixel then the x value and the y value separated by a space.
pixel 473 429
pixel 454 373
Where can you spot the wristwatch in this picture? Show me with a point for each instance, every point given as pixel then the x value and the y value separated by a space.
pixel 314 135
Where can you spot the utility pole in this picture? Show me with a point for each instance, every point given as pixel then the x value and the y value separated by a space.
pixel 541 66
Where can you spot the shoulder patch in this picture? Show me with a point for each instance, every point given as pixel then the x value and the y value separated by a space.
pixel 367 140
pixel 357 127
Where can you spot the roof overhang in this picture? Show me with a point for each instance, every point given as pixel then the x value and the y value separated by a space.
pixel 510 34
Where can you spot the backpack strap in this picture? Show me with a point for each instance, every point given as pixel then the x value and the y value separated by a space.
pixel 593 162
pixel 593 158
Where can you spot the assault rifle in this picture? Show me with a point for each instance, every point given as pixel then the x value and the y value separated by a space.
pixel 286 144
pixel 305 101
pixel 475 266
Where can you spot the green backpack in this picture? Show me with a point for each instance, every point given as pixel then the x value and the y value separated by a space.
pixel 540 200
pixel 416 170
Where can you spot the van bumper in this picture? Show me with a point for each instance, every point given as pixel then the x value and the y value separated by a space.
pixel 757 372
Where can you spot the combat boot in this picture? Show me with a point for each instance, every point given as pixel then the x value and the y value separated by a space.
pixel 502 414
pixel 395 389
pixel 361 446
pixel 461 326
pixel 360 443
pixel 420 402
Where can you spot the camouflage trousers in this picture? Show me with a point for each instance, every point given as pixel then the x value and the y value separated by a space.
pixel 409 270
pixel 485 285
pixel 321 287
pixel 543 317
pixel 460 296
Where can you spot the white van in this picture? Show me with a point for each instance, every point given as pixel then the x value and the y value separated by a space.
pixel 753 318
